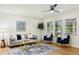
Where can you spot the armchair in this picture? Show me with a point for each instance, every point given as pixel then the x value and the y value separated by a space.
pixel 63 41
pixel 48 38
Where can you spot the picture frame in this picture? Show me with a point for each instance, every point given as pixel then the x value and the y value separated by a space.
pixel 20 26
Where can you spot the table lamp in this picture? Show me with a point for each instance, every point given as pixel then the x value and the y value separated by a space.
pixel 3 31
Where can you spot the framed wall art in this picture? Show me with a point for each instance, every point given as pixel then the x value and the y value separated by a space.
pixel 20 26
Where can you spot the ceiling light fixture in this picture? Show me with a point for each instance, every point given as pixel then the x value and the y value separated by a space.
pixel 60 10
pixel 51 11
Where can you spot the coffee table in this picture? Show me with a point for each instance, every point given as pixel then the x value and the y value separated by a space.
pixel 31 41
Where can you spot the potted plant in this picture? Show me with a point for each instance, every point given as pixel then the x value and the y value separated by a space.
pixel 41 26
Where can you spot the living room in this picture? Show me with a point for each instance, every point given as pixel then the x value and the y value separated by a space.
pixel 29 27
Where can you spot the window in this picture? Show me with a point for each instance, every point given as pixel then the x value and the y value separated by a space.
pixel 70 26
pixel 49 26
pixel 58 27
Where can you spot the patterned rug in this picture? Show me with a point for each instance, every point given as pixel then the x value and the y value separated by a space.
pixel 32 50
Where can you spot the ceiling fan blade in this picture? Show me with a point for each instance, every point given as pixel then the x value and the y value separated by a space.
pixel 55 5
pixel 45 10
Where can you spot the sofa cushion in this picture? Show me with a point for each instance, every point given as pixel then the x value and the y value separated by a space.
pixel 48 34
pixel 26 36
pixel 19 37
pixel 30 36
pixel 23 37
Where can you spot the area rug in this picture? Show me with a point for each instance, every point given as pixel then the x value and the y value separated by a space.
pixel 32 50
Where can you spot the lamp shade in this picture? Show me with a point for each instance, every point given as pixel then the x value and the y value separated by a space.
pixel 2 32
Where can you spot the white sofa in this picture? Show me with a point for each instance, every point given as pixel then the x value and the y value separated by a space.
pixel 14 42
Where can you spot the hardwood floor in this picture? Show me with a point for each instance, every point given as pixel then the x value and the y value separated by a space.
pixel 63 50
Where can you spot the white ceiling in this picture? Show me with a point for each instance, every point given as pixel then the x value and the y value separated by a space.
pixel 34 10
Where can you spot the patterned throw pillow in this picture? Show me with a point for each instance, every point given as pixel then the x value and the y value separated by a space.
pixel 26 36
pixel 23 37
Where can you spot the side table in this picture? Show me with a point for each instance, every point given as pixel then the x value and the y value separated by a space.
pixel 3 43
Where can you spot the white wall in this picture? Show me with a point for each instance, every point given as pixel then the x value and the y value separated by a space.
pixel 74 42
pixel 8 21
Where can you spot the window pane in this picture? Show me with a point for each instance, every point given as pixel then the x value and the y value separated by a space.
pixel 71 26
pixel 49 27
pixel 58 28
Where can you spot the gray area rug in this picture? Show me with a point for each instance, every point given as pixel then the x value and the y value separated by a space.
pixel 32 50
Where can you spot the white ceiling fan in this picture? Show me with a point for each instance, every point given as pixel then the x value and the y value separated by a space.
pixel 52 9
